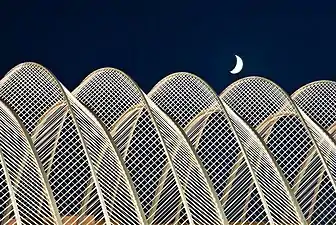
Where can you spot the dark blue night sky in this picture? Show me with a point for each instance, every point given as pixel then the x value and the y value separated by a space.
pixel 292 44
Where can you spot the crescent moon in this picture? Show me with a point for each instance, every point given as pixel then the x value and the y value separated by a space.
pixel 239 65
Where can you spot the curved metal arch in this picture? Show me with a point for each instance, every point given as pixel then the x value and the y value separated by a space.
pixel 27 184
pixel 191 181
pixel 313 160
pixel 318 101
pixel 90 86
pixel 323 139
pixel 76 150
pixel 206 104
pixel 16 89
pixel 176 108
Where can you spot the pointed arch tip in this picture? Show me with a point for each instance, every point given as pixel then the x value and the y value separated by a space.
pixel 174 74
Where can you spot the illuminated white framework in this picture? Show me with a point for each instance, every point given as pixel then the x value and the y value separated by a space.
pixel 246 178
pixel 171 182
pixel 318 101
pixel 25 195
pixel 179 155
pixel 90 184
pixel 304 150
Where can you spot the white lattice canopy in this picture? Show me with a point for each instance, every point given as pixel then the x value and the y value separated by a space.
pixel 88 179
pixel 246 178
pixel 108 153
pixel 171 183
pixel 25 194
pixel 318 101
pixel 302 149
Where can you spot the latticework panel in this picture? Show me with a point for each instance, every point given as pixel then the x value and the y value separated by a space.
pixel 192 178
pixel 324 193
pixel 231 152
pixel 297 146
pixel 24 86
pixel 107 107
pixel 25 196
pixel 170 182
pixel 89 182
pixel 276 192
pixel 179 155
pixel 168 92
pixel 121 203
pixel 318 101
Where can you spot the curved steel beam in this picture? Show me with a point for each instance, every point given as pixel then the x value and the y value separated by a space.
pixel 171 137
pixel 80 159
pixel 26 183
pixel 202 98
pixel 269 98
pixel 318 101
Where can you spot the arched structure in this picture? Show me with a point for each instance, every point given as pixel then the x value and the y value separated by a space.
pixel 301 148
pixel 252 155
pixel 88 179
pixel 318 101
pixel 25 195
pixel 245 176
pixel 170 180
